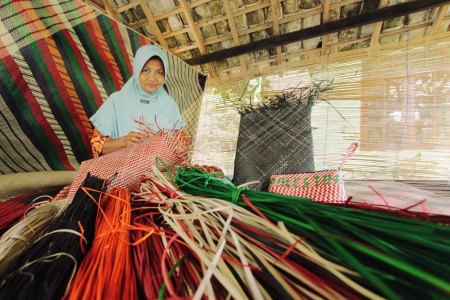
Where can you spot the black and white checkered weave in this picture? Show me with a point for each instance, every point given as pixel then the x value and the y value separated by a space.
pixel 273 141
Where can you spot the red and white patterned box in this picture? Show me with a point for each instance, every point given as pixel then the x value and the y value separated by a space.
pixel 322 186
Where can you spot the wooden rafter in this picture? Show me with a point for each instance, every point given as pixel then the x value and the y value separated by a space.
pixel 276 26
pixel 109 10
pixel 168 14
pixel 439 18
pixel 325 17
pixel 194 30
pixel 126 7
pixel 301 15
pixel 274 22
pixel 322 29
pixel 229 15
pixel 151 21
pixel 377 30
pixel 339 4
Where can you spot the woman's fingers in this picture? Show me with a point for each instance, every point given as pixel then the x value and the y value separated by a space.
pixel 134 138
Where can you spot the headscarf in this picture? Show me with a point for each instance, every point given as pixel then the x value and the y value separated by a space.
pixel 116 117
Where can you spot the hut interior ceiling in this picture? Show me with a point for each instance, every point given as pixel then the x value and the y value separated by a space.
pixel 230 37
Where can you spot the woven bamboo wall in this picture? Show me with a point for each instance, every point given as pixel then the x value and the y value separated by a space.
pixel 392 100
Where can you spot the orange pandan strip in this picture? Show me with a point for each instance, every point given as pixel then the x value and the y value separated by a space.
pixel 107 271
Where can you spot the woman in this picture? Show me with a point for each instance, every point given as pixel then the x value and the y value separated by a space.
pixel 143 97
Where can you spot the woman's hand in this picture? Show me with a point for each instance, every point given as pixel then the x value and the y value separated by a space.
pixel 129 140
pixel 133 138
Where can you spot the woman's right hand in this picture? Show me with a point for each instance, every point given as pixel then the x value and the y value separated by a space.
pixel 133 138
pixel 129 140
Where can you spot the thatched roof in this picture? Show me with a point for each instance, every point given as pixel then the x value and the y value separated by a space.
pixel 222 38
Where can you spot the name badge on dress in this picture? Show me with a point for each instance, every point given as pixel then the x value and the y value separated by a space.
pixel 145 101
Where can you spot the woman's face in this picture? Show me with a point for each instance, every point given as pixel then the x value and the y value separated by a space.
pixel 152 75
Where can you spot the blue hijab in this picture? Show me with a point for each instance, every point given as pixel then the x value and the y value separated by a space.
pixel 116 116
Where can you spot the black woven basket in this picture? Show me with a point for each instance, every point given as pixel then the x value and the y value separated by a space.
pixel 273 140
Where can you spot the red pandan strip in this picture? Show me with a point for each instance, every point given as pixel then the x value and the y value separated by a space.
pixel 161 187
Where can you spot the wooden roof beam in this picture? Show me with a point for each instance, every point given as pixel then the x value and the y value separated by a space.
pixel 377 30
pixel 195 33
pixel 109 10
pixel 151 21
pixel 276 25
pixel 325 18
pixel 233 29
pixel 385 13
pixel 439 18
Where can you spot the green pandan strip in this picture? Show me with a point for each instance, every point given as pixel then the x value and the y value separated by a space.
pixel 397 255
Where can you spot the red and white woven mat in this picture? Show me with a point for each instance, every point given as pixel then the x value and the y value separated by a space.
pixel 129 163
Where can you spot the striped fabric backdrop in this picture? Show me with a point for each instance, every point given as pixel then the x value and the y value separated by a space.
pixel 59 60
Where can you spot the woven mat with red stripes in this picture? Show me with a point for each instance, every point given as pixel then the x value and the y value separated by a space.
pixel 129 163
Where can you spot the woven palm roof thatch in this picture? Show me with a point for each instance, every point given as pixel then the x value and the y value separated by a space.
pixel 196 29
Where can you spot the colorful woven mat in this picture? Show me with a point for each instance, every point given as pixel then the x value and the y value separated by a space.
pixel 59 60
pixel 125 167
